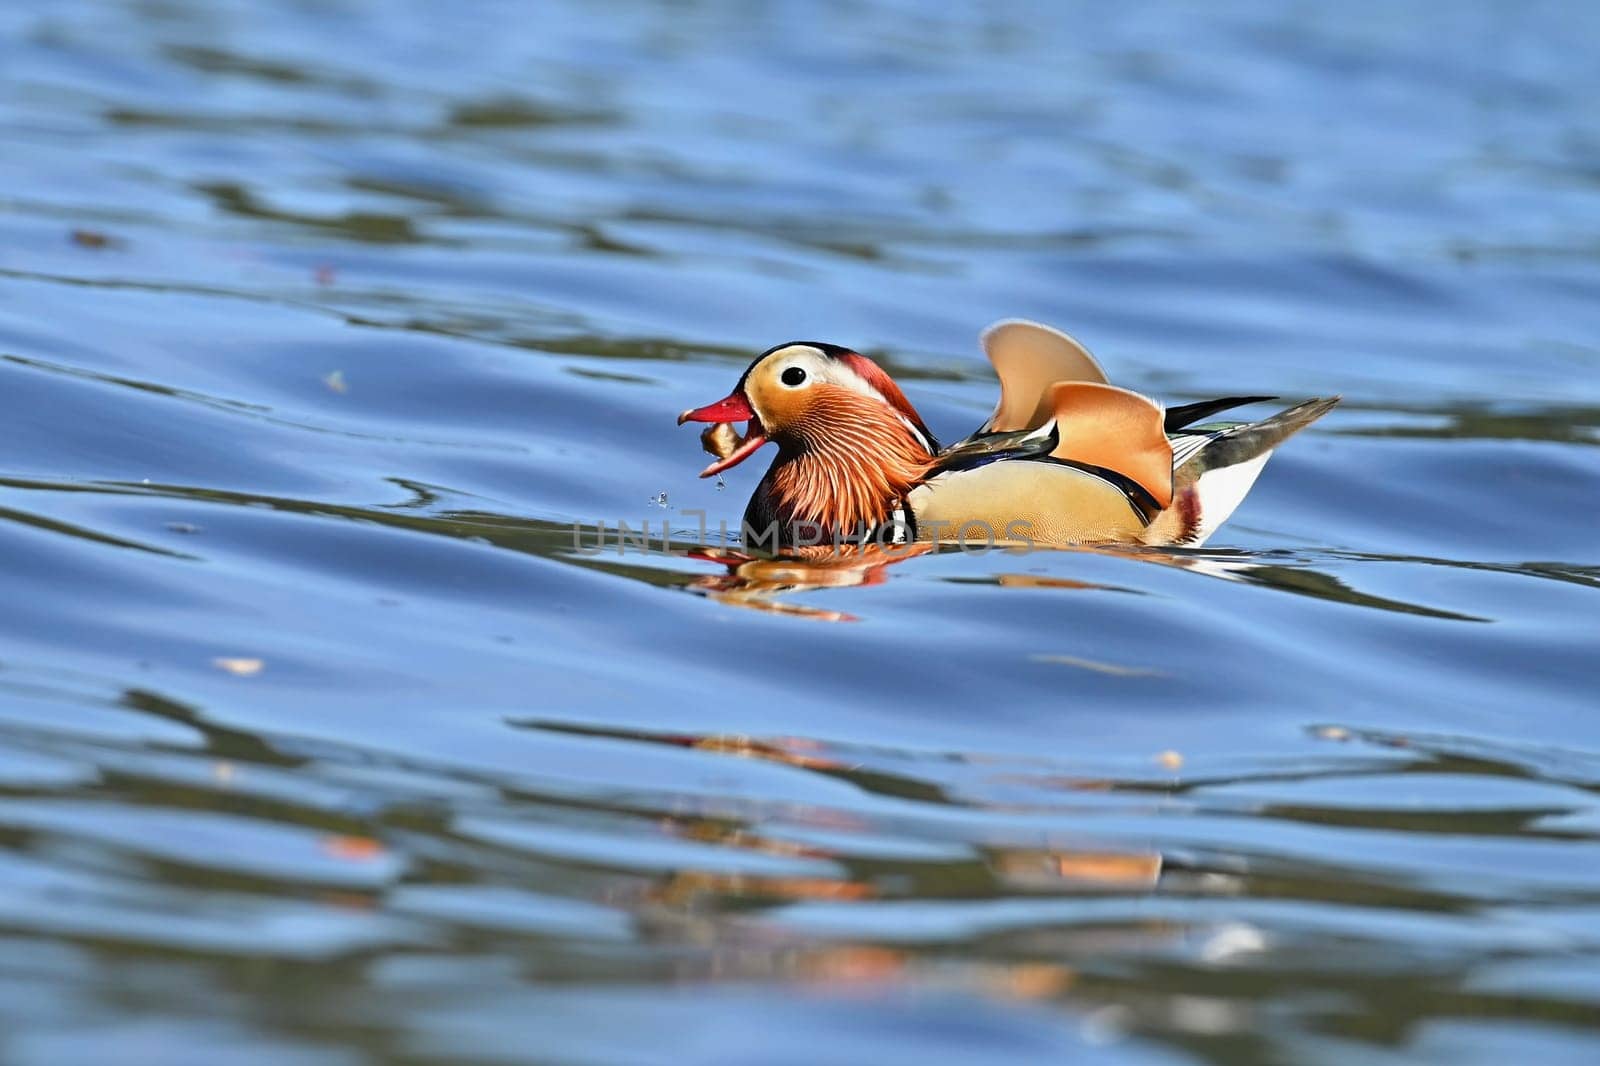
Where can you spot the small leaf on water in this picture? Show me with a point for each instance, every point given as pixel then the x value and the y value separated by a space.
pixel 335 381
pixel 352 848
pixel 93 238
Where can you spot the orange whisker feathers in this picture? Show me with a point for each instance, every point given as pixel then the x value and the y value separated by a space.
pixel 851 463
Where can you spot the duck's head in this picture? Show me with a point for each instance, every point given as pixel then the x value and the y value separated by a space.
pixel 810 397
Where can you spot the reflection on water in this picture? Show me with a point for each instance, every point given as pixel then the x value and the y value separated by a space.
pixel 1005 879
pixel 762 583
pixel 323 738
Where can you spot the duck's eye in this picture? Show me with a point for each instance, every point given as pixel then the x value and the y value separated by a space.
pixel 794 377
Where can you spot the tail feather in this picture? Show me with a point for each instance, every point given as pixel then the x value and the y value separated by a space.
pixel 1190 413
pixel 1216 469
pixel 1244 442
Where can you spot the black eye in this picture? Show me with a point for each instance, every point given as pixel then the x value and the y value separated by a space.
pixel 793 376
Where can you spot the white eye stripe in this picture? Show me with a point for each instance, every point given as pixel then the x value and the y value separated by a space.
pixel 819 366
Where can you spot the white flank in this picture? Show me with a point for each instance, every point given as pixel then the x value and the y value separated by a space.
pixel 1221 490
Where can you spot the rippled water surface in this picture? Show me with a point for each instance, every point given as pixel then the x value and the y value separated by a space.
pixel 322 323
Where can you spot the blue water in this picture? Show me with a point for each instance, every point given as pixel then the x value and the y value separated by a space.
pixel 322 325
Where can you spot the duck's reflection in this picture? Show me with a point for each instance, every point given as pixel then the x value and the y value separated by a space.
pixel 763 582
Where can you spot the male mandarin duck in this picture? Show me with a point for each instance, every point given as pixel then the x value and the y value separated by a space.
pixel 1065 458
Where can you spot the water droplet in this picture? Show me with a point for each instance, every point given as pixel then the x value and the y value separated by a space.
pixel 721 484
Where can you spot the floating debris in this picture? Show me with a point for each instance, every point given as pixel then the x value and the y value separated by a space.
pixel 1170 759
pixel 239 667
pixel 352 848
pixel 1331 732
pixel 336 382
pixel 325 274
pixel 659 499
pixel 93 238
pixel 183 527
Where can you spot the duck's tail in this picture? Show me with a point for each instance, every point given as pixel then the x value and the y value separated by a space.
pixel 1214 468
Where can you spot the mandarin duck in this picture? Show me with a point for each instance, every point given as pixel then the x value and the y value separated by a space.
pixel 1065 458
